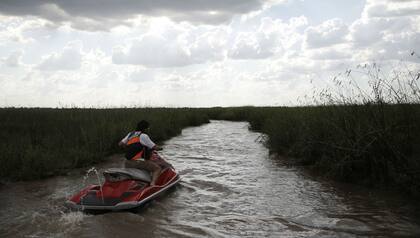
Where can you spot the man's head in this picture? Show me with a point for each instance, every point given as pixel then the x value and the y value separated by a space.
pixel 142 125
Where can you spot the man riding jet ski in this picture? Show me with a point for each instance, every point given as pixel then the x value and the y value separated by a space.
pixel 138 147
pixel 130 187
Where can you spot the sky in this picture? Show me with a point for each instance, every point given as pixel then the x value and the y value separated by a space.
pixel 194 53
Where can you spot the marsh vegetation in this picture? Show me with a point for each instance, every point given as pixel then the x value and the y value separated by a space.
pixel 39 142
pixel 353 133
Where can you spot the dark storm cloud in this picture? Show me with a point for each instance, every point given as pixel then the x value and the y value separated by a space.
pixel 99 14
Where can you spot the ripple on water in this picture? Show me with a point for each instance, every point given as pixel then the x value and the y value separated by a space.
pixel 230 187
pixel 190 229
pixel 72 219
pixel 330 223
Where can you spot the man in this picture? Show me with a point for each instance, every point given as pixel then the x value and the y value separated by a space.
pixel 139 148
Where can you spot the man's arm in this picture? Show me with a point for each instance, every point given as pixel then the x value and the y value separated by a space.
pixel 123 142
pixel 146 141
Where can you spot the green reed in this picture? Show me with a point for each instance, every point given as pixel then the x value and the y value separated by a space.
pixel 39 142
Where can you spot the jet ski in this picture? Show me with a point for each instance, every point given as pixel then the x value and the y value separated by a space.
pixel 125 188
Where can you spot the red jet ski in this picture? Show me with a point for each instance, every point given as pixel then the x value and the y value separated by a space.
pixel 125 188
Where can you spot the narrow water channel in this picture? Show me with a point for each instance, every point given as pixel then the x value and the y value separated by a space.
pixel 230 187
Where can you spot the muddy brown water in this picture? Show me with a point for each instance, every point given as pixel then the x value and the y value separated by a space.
pixel 230 187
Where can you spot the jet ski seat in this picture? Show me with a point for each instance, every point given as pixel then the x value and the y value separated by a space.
pixel 120 174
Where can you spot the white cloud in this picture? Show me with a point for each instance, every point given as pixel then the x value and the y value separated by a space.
pixel 271 38
pixel 14 59
pixel 391 8
pixel 365 32
pixel 152 51
pixel 169 45
pixel 329 53
pixel 208 46
pixel 175 60
pixel 291 33
pixel 250 45
pixel 70 58
pixel 166 44
pixel 15 29
pixel 328 33
pixel 386 36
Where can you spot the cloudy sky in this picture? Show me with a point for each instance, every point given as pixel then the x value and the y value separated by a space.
pixel 193 53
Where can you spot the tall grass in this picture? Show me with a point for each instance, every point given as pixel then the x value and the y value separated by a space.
pixel 353 133
pixel 41 142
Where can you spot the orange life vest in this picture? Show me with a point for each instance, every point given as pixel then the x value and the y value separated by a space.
pixel 135 150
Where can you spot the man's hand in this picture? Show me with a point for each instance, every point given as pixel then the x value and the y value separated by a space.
pixel 157 148
pixel 121 144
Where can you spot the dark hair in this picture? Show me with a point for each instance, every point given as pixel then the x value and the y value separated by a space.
pixel 142 125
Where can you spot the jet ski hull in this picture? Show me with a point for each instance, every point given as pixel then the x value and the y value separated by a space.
pixel 123 193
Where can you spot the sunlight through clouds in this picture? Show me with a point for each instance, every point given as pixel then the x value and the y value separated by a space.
pixel 199 53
